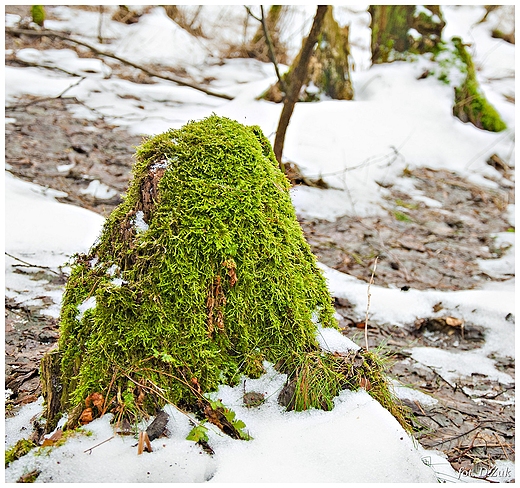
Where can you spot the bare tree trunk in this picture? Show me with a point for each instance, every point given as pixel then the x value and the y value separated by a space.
pixel 296 81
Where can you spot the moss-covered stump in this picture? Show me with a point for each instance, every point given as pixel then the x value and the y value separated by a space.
pixel 471 104
pixel 200 275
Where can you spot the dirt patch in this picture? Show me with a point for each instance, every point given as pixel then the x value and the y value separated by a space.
pixel 419 246
pixel 472 421
pixel 47 146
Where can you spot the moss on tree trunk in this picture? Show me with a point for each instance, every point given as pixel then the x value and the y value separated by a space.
pixel 470 103
pixel 401 30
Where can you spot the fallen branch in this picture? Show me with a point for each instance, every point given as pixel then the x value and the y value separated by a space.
pixel 149 72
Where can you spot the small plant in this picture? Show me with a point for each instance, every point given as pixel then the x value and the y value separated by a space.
pixel 198 434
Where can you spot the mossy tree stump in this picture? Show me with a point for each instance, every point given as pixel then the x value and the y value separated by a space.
pixel 471 104
pixel 198 277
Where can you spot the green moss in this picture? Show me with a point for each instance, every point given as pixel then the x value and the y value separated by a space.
pixel 470 103
pixel 20 449
pixel 219 279
pixel 401 216
pixel 38 14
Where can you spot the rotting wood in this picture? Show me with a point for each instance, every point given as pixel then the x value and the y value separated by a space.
pixel 50 372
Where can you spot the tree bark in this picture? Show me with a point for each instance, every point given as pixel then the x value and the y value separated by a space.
pixel 401 30
pixel 296 81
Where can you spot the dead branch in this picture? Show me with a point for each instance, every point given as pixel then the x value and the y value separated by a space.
pixel 269 43
pixel 149 72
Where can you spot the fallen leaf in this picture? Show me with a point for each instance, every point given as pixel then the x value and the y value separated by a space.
pixel 86 416
pixel 453 322
pixel 53 439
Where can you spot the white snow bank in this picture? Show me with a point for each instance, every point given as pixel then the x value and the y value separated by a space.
pixel 20 81
pixel 65 59
pixel 36 224
pixel 357 441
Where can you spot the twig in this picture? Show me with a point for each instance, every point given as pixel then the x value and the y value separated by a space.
pixel 149 72
pixel 269 43
pixel 100 24
pixel 45 99
pixel 45 66
pixel 458 436
pixel 368 302
pixel 25 263
pixel 501 445
pixel 89 450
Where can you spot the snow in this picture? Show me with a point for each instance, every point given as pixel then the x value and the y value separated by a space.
pixel 97 189
pixel 395 122
pixel 140 224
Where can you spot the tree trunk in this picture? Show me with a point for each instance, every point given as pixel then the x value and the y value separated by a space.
pixel 296 81
pixel 401 30
pixel 329 69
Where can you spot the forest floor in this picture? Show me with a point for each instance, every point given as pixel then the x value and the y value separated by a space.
pixel 418 248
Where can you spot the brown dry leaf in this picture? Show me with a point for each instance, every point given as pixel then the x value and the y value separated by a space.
pixel 365 384
pixel 95 399
pixel 86 416
pixel 453 322
pixel 360 325
pixel 437 307
pixel 53 439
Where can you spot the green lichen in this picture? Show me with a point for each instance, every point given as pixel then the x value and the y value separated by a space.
pixel 216 278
